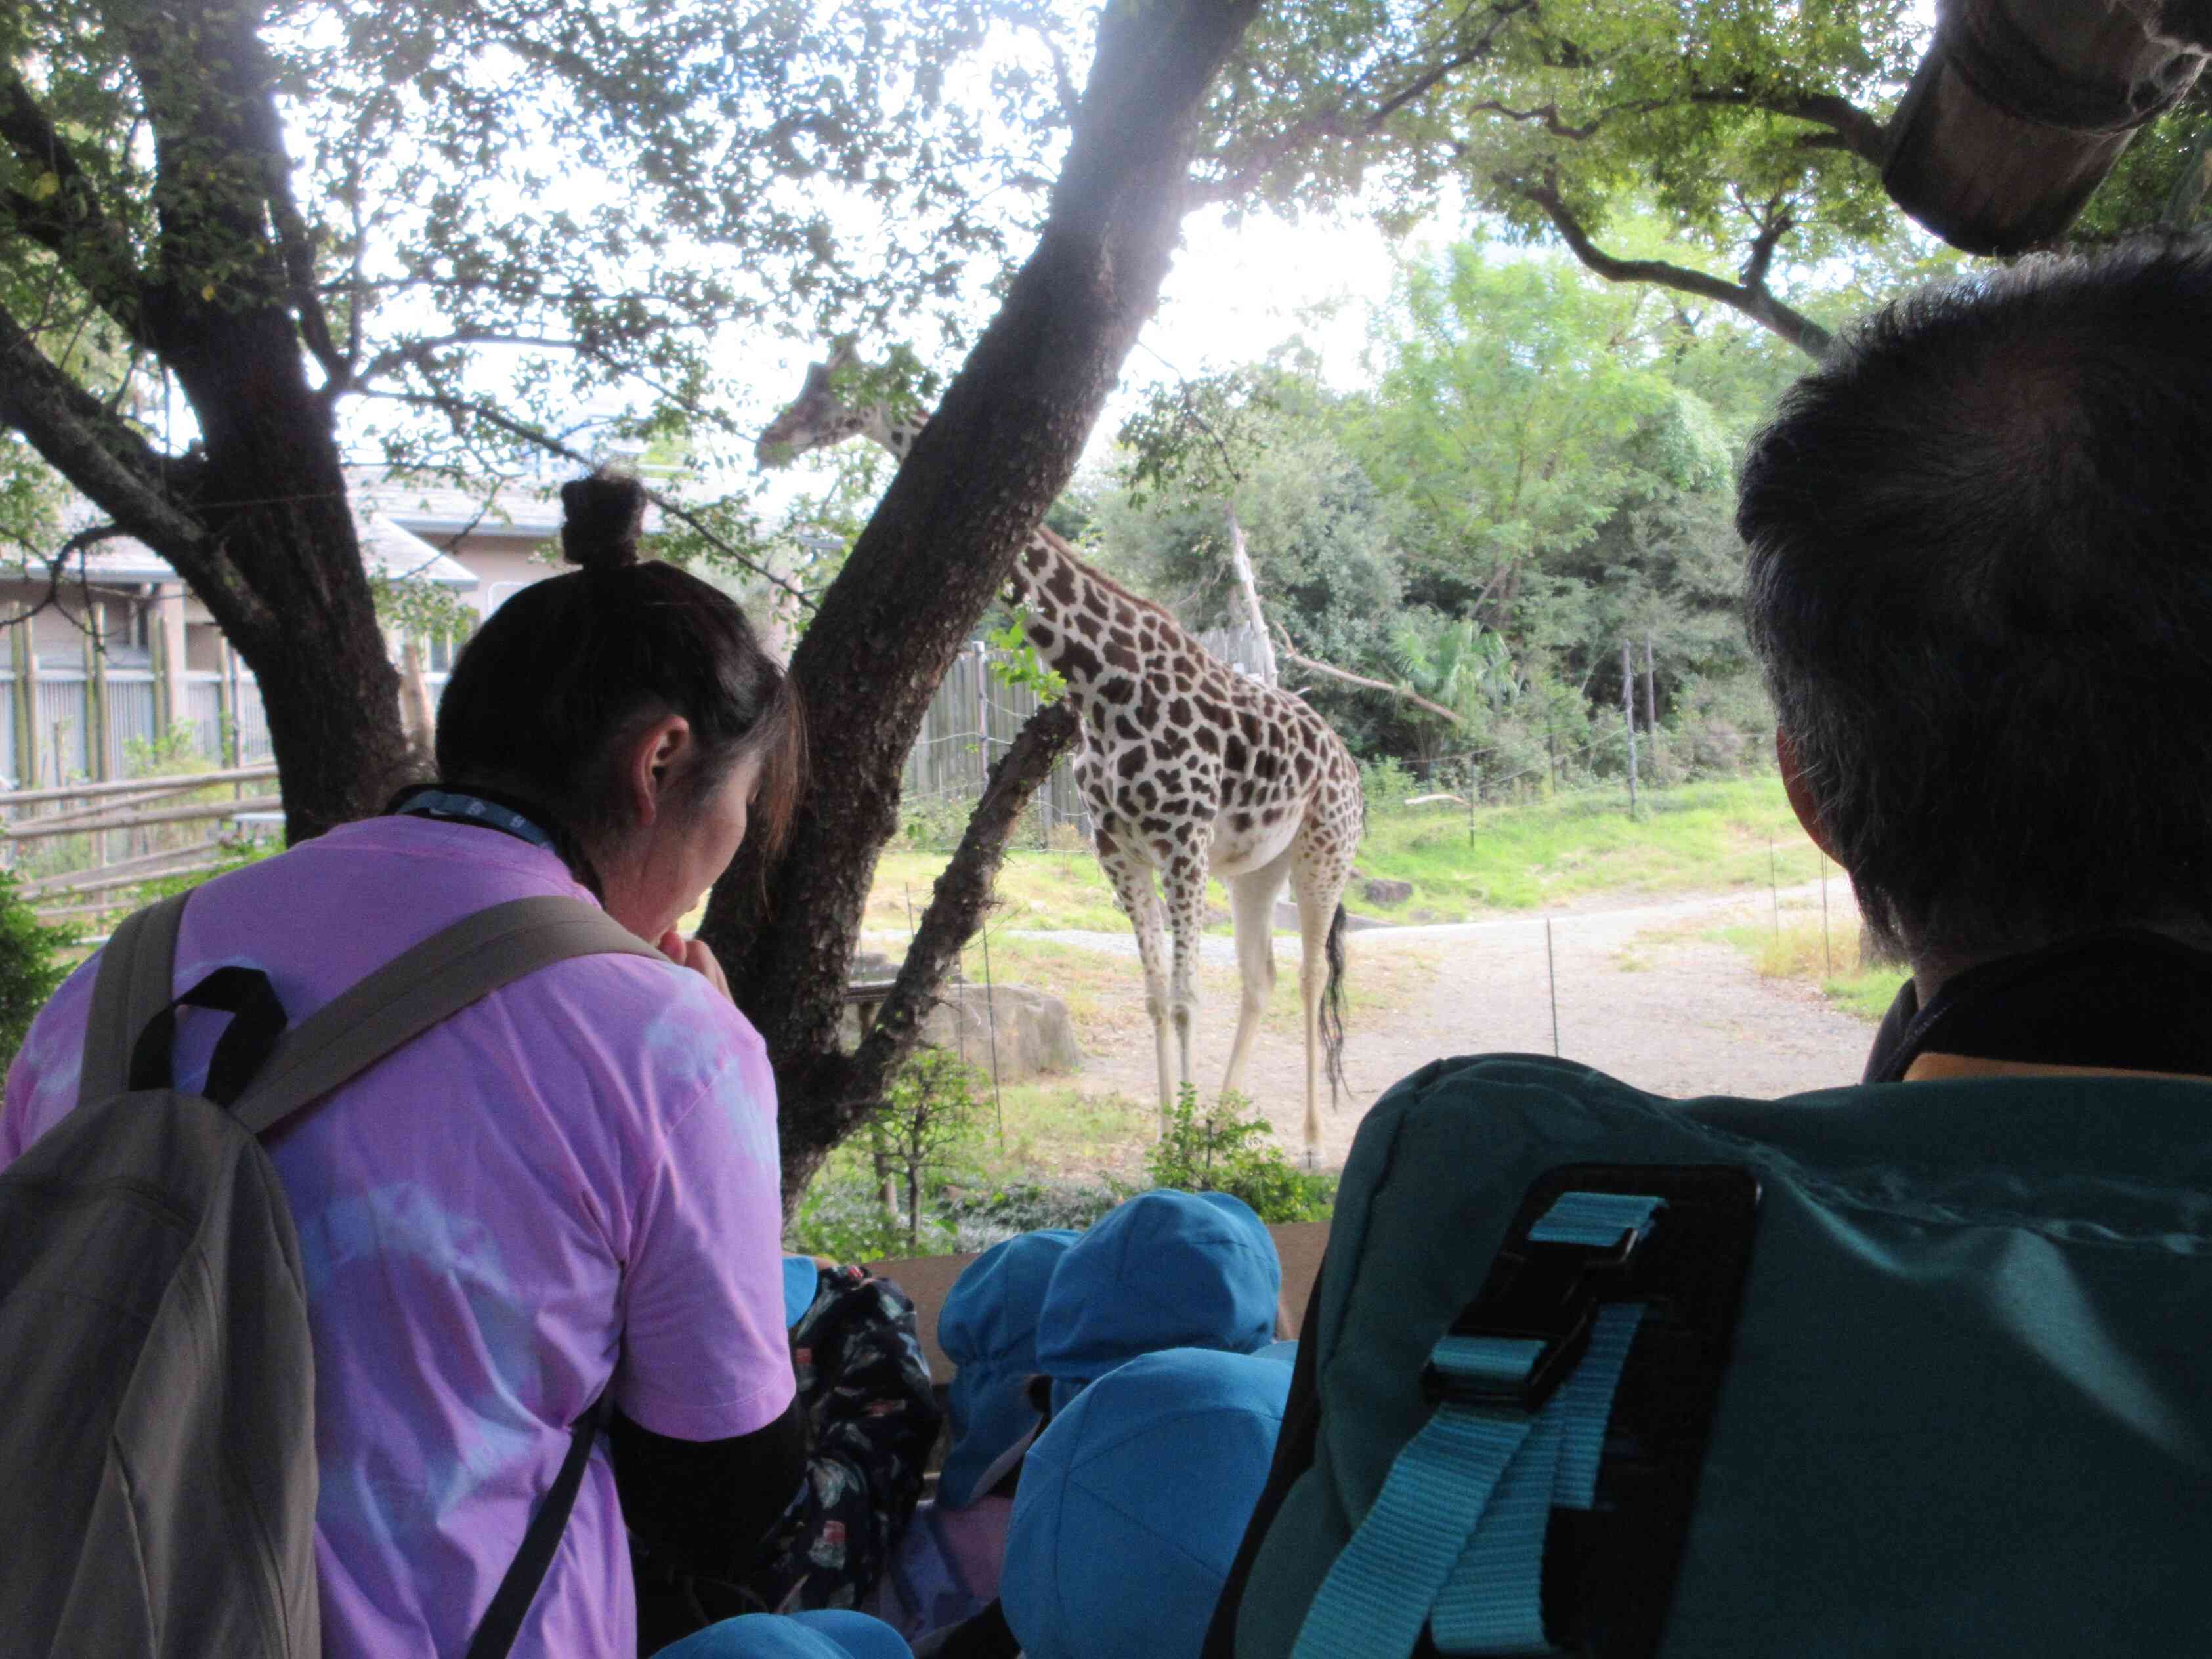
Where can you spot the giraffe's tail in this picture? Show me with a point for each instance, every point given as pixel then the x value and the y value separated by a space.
pixel 1332 1008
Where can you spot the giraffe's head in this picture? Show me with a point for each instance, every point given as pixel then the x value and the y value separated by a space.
pixel 818 418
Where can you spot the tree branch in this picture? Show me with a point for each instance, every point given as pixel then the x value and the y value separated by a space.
pixel 1853 129
pixel 957 907
pixel 1753 301
pixel 1336 123
pixel 455 407
pixel 93 449
pixel 70 222
pixel 1350 678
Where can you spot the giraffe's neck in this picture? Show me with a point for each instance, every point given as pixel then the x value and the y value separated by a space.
pixel 1103 642
pixel 896 436
pixel 1092 636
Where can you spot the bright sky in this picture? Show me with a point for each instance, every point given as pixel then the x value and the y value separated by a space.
pixel 1233 295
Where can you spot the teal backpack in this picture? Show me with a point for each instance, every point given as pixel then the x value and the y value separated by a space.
pixel 1902 1368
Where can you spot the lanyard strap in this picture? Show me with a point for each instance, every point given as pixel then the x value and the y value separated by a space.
pixel 457 805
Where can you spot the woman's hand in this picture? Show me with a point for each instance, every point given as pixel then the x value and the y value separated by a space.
pixel 690 953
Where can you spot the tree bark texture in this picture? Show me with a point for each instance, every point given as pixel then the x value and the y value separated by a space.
pixel 1240 560
pixel 1002 444
pixel 954 910
pixel 254 517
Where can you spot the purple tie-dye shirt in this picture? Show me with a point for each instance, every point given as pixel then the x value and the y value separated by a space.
pixel 573 1182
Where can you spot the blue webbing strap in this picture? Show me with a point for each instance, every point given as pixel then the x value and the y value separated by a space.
pixel 1458 1526
pixel 1378 1593
pixel 1596 1219
pixel 1492 1599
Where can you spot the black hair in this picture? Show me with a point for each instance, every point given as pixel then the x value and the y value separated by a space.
pixel 1980 587
pixel 568 672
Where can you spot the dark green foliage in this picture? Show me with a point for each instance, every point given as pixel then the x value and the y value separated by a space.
pixel 29 971
pixel 1226 1147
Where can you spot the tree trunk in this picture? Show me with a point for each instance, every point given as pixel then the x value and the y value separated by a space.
pixel 418 717
pixel 1000 447
pixel 283 579
pixel 1240 560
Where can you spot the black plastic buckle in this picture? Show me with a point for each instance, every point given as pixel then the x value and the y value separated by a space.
pixel 1538 1292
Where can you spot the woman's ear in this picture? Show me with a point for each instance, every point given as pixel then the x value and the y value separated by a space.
pixel 1799 791
pixel 654 760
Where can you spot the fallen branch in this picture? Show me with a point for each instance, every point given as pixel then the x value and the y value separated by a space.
pixel 957 907
pixel 1351 678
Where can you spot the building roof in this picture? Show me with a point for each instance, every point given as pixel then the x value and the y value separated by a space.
pixel 387 550
pixel 436 507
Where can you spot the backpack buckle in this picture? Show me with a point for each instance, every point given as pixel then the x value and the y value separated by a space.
pixel 1512 1346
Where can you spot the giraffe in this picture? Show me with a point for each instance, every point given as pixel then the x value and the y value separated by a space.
pixel 1188 769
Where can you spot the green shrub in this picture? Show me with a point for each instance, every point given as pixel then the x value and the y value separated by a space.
pixel 989 1214
pixel 843 1216
pixel 28 972
pixel 1386 783
pixel 1229 1148
pixel 935 824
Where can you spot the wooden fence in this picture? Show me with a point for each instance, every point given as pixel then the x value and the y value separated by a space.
pixel 75 725
pixel 80 842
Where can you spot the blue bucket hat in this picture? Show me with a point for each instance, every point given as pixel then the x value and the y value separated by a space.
pixel 1165 1270
pixel 833 1635
pixel 801 1278
pixel 988 1329
pixel 1133 1504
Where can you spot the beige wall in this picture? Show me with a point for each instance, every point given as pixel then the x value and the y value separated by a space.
pixel 203 645
pixel 498 559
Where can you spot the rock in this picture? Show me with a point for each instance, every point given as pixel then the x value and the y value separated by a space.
pixel 1035 1035
pixel 1378 890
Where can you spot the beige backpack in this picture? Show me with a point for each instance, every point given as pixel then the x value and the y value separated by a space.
pixel 157 1449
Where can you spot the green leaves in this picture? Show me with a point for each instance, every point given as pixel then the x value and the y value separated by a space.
pixel 1017 663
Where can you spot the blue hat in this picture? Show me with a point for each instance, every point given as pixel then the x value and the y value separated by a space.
pixel 987 1329
pixel 835 1635
pixel 1285 1352
pixel 1165 1270
pixel 1133 1502
pixel 801 1279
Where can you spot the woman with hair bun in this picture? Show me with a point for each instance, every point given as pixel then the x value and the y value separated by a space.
pixel 571 1188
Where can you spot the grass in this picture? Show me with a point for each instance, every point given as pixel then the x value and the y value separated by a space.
pixel 1556 853
pixel 1698 837
pixel 1054 1132
pixel 1795 951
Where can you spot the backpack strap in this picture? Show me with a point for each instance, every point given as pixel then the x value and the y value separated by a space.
pixel 422 987
pixel 130 989
pixel 510 1603
pixel 1523 1383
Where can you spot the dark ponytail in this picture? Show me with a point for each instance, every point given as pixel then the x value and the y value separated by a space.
pixel 566 674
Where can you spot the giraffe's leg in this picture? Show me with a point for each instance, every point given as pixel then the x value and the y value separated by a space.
pixel 1184 883
pixel 1132 879
pixel 1319 882
pixel 1252 901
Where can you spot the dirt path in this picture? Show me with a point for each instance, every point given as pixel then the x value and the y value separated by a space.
pixel 1640 995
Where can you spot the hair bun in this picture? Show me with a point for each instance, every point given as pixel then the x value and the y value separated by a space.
pixel 601 518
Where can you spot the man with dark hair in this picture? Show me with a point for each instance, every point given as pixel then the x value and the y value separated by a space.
pixel 1912 1367
pixel 1980 583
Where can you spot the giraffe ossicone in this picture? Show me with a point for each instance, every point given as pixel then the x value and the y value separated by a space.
pixel 1188 768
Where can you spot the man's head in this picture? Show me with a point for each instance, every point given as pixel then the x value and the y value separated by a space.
pixel 1980 584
